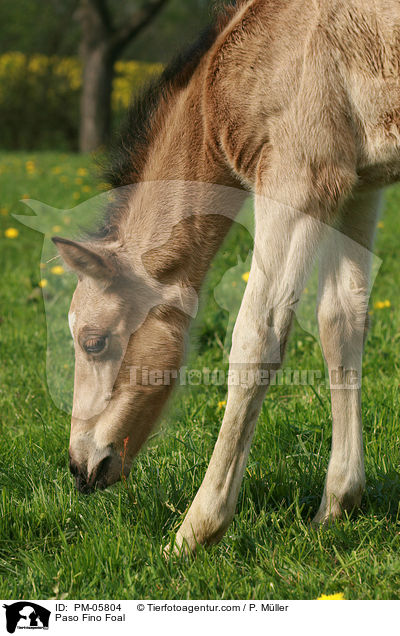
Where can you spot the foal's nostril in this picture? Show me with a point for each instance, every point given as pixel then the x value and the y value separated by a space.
pixel 101 471
pixel 73 465
pixel 73 468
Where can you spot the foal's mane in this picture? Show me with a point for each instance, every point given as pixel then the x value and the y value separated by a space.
pixel 129 151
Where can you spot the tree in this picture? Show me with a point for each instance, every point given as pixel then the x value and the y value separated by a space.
pixel 102 42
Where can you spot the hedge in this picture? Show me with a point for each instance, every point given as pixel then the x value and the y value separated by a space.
pixel 39 99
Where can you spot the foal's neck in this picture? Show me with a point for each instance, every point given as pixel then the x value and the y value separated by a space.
pixel 184 206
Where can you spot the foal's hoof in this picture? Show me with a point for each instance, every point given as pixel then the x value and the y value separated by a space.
pixel 328 514
pixel 178 548
pixel 323 519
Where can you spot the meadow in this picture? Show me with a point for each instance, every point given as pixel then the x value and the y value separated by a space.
pixel 56 543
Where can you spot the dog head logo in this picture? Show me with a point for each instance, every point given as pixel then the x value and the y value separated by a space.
pixel 26 615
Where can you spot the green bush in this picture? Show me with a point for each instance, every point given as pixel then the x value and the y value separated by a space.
pixel 39 99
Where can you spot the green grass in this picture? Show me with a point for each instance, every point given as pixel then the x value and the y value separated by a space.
pixel 55 543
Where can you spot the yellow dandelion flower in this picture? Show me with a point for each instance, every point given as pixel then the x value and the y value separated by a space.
pixel 82 172
pixel 11 233
pixel 76 195
pixel 57 270
pixel 30 167
pixel 86 188
pixel 246 276
pixel 221 404
pixel 43 283
pixel 3 211
pixel 331 597
pixel 42 265
pixel 25 196
pixel 381 225
pixel 79 181
pixel 57 228
pixel 382 304
pixel 56 170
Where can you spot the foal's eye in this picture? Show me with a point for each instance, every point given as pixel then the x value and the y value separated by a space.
pixel 95 345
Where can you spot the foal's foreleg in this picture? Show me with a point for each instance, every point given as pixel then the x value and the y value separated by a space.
pixel 285 246
pixel 342 317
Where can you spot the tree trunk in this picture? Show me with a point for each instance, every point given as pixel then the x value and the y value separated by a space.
pixel 98 63
pixel 101 44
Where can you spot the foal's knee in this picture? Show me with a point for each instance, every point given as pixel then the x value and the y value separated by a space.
pixel 343 318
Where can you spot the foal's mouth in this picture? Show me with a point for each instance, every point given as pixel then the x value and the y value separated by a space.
pixel 97 480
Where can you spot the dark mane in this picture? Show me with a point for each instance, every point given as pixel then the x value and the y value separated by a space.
pixel 128 153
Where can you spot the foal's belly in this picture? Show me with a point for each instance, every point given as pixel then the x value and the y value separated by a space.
pixel 382 168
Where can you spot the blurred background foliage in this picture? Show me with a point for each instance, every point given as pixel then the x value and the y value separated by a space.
pixel 41 65
pixel 39 98
pixel 49 27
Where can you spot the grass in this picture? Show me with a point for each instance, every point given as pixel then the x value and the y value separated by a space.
pixel 55 543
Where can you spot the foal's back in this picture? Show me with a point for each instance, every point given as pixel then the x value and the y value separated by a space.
pixel 277 56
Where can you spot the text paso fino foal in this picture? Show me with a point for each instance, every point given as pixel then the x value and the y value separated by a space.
pixel 297 102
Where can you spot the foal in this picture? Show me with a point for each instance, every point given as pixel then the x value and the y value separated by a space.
pixel 297 102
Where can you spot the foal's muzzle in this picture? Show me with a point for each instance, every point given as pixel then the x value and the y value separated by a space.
pixel 87 484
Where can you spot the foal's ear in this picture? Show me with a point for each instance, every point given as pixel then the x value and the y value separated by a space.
pixel 83 260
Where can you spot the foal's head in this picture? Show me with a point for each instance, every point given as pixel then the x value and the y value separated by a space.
pixel 128 333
